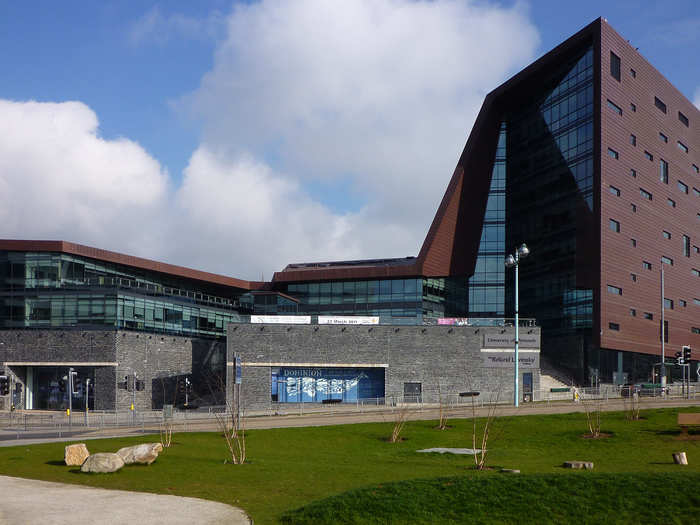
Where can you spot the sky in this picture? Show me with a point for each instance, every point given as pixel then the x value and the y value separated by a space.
pixel 238 137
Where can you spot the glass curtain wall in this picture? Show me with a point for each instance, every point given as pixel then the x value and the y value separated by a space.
pixel 486 286
pixel 550 207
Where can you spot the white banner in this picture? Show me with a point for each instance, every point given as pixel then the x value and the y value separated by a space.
pixel 281 319
pixel 335 319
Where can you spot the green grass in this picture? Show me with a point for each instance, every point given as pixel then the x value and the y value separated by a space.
pixel 291 468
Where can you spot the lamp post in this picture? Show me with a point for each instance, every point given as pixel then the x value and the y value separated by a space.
pixel 513 261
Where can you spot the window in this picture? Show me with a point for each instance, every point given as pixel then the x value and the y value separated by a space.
pixel 633 173
pixel 644 193
pixel 660 104
pixel 696 169
pixel 696 191
pixel 633 242
pixel 615 66
pixel 686 246
pixel 695 330
pixel 667 260
pixel 617 109
pixel 696 301
pixel 614 154
pixel 633 207
pixel 663 171
pixel 614 326
pixel 696 249
pixel 682 147
pixel 614 225
pixel 667 235
pixel 633 312
pixel 633 73
pixel 646 265
pixel 649 315
pixel 615 290
pixel 683 119
pixel 614 191
pixel 633 140
pixel 682 303
pixel 663 137
pixel 683 187
pixel 671 203
pixel 633 108
pixel 695 272
pixel 668 304
pixel 633 276
pixel 648 155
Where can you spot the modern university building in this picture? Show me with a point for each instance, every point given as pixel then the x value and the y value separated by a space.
pixel 589 155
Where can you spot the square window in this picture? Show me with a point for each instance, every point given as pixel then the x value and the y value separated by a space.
pixel 614 326
pixel 683 119
pixel 633 140
pixel 683 187
pixel 633 242
pixel 617 109
pixel 649 316
pixel 615 66
pixel 682 147
pixel 667 260
pixel 633 312
pixel 696 169
pixel 614 225
pixel 644 193
pixel 614 191
pixel 633 207
pixel 648 155
pixel 613 154
pixel 633 108
pixel 667 235
pixel 682 303
pixel 696 249
pixel 633 173
pixel 663 137
pixel 695 272
pixel 660 104
pixel 633 276
pixel 668 304
pixel 646 265
pixel 695 330
pixel 671 203
pixel 696 191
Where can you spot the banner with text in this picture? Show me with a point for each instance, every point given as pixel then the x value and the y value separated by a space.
pixel 508 341
pixel 356 319
pixel 280 319
pixel 526 359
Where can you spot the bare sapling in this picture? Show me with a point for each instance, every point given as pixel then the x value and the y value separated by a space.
pixel 593 409
pixel 232 426
pixel 482 438
pixel 399 414
pixel 442 424
pixel 632 405
pixel 166 433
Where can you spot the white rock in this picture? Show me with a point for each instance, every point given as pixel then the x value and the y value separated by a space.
pixel 144 453
pixel 102 462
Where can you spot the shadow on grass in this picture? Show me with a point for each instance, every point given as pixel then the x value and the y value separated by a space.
pixel 56 463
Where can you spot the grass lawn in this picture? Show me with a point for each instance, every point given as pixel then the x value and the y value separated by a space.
pixel 291 468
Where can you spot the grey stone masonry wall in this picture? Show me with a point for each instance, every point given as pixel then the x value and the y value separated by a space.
pixel 446 359
pixel 154 358
pixel 44 347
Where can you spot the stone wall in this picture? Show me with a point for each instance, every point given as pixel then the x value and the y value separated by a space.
pixel 445 359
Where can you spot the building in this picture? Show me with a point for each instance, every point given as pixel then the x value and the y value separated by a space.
pixel 589 155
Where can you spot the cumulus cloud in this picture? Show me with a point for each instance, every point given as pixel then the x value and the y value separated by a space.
pixel 60 179
pixel 381 93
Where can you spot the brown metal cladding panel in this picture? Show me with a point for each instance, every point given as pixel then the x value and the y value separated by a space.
pixel 119 258
pixel 619 258
pixel 337 274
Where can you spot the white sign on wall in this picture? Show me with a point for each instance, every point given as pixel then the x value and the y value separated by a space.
pixel 280 319
pixel 357 319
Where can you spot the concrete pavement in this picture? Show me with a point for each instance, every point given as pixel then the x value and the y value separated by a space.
pixel 26 501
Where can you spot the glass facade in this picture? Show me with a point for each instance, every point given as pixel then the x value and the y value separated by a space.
pixel 395 301
pixel 315 385
pixel 45 290
pixel 486 286
pixel 549 205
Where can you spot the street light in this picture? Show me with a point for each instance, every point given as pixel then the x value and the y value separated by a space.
pixel 513 261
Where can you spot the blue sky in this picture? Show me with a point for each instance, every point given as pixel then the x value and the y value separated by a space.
pixel 192 97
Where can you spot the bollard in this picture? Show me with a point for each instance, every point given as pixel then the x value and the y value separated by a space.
pixel 679 458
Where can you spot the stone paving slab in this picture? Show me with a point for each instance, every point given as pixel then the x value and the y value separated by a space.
pixel 48 503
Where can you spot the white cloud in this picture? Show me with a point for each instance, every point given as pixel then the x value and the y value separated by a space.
pixel 154 26
pixel 379 92
pixel 59 179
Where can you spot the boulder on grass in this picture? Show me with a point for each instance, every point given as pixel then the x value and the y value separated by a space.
pixel 145 453
pixel 588 465
pixel 102 462
pixel 76 455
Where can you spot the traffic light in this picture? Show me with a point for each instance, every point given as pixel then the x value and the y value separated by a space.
pixel 4 385
pixel 679 358
pixel 77 383
pixel 140 385
pixel 181 386
pixel 62 385
pixel 686 354
pixel 188 385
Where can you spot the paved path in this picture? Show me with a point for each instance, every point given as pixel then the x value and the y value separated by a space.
pixel 30 501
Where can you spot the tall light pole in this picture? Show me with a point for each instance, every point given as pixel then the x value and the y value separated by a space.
pixel 663 333
pixel 513 261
